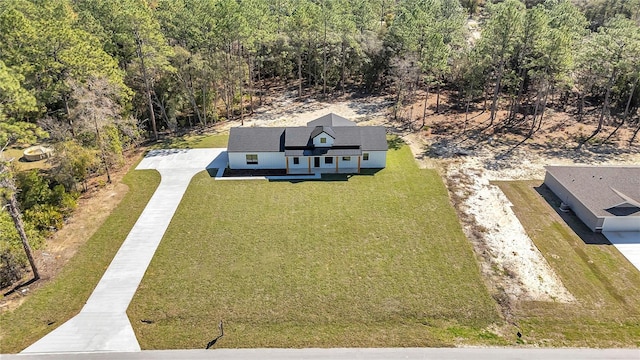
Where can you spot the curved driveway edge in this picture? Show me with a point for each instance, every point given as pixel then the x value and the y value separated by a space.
pixel 102 324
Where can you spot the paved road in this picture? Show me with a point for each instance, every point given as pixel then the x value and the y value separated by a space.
pixel 349 354
pixel 102 324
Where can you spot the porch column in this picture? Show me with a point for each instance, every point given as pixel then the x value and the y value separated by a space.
pixel 336 164
pixel 287 159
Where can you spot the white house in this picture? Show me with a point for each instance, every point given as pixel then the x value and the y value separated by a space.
pixel 329 144
pixel 605 198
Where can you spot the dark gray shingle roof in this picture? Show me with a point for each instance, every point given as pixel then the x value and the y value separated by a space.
pixel 268 139
pixel 323 152
pixel 599 187
pixel 332 120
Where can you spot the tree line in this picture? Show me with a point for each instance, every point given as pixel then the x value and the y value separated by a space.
pixel 99 76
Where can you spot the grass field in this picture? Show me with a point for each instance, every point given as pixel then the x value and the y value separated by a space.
pixel 605 284
pixel 58 301
pixel 21 164
pixel 373 261
pixel 193 142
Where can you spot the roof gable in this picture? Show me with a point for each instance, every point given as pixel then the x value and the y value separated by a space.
pixel 331 120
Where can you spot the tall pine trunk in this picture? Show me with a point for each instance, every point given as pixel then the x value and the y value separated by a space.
pixel 496 92
pixel 605 108
pixel 14 212
pixel 147 84
pixel 625 115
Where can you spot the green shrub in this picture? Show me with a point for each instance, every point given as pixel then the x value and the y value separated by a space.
pixel 45 218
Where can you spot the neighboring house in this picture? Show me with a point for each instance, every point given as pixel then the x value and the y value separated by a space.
pixel 605 198
pixel 329 144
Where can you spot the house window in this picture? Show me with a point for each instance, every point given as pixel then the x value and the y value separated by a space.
pixel 296 160
pixel 252 159
pixel 346 158
pixel 323 140
pixel 365 156
pixel 328 160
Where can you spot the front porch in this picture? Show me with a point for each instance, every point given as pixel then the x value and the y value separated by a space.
pixel 304 171
pixel 332 164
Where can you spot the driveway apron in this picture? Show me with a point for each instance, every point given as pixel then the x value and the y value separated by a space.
pixel 102 324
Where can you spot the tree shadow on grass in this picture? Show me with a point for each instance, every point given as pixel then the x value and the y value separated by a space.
pixel 570 218
pixel 395 142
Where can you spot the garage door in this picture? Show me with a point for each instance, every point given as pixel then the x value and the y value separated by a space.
pixel 621 223
pixel 628 243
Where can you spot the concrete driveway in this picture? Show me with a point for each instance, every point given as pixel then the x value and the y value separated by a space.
pixel 628 243
pixel 102 324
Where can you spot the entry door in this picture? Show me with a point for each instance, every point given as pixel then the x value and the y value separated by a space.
pixel 316 161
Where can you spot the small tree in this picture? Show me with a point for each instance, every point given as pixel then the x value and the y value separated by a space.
pixel 8 192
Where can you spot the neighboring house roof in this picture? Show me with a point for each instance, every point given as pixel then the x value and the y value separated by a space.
pixel 332 120
pixel 604 190
pixel 348 140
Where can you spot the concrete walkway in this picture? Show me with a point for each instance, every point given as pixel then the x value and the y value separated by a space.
pixel 102 324
pixel 628 243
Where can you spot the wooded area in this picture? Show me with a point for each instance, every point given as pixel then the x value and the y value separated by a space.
pixel 96 77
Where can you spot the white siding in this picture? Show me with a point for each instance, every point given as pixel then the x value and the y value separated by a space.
pixel 348 164
pixel 323 165
pixel 276 160
pixel 317 143
pixel 303 165
pixel 377 159
pixel 618 223
pixel 266 160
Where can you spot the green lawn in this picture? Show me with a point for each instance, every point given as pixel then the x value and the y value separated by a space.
pixel 194 142
pixel 21 164
pixel 373 261
pixel 58 301
pixel 605 284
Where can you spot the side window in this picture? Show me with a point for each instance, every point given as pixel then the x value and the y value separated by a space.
pixel 323 140
pixel 252 159
pixel 365 156
pixel 328 160
pixel 296 160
